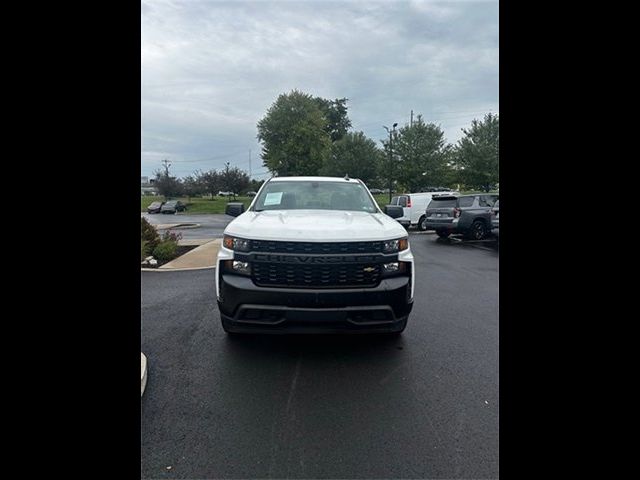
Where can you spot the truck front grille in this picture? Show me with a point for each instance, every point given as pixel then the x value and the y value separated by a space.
pixel 315 276
pixel 315 247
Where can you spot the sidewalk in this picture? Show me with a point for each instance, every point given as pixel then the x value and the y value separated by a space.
pixel 203 256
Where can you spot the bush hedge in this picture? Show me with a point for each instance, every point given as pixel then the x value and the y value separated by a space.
pixel 165 251
pixel 149 234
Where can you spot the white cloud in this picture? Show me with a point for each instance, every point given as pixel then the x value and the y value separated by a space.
pixel 211 69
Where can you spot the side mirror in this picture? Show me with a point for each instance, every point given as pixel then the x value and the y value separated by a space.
pixel 234 209
pixel 394 211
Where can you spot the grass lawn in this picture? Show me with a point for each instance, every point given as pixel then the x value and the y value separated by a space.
pixel 198 205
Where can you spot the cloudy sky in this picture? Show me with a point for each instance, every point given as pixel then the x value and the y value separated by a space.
pixel 210 70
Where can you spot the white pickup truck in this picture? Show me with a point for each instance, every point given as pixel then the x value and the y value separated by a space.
pixel 314 255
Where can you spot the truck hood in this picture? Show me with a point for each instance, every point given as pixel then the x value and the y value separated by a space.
pixel 315 226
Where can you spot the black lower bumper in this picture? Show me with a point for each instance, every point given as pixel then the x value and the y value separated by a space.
pixel 244 307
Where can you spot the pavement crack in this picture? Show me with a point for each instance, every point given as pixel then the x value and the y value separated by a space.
pixel 282 433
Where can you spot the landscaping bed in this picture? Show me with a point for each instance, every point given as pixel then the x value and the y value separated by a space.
pixel 180 250
pixel 157 250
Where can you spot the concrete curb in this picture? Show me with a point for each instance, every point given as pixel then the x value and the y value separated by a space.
pixel 143 373
pixel 177 226
pixel 176 269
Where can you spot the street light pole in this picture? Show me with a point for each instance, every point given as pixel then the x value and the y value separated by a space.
pixel 390 157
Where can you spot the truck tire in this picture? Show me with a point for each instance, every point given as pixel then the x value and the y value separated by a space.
pixel 422 223
pixel 443 233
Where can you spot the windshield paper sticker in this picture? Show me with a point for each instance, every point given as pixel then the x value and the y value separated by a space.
pixel 273 199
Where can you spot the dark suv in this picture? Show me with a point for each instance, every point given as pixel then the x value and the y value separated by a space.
pixel 469 215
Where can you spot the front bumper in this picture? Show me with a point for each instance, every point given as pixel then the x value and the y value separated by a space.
pixel 244 307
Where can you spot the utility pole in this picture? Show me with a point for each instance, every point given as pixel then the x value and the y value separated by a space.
pixel 411 124
pixel 249 164
pixel 391 157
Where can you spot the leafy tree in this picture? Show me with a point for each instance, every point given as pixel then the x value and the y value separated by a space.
pixel 355 155
pixel 210 181
pixel 388 168
pixel 191 186
pixel 234 180
pixel 335 113
pixel 477 154
pixel 167 185
pixel 421 155
pixel 450 173
pixel 254 185
pixel 294 135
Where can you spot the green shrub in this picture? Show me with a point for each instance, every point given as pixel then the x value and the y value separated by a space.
pixel 165 251
pixel 149 234
pixel 144 250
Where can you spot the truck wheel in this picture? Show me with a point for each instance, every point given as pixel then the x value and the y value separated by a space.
pixel 478 230
pixel 422 223
pixel 443 233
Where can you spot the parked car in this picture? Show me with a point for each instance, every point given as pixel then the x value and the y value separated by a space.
pixel 469 215
pixel 155 207
pixel 314 255
pixel 376 191
pixel 495 220
pixel 225 194
pixel 415 205
pixel 173 206
pixel 251 194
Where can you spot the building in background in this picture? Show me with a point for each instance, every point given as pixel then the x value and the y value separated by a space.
pixel 147 186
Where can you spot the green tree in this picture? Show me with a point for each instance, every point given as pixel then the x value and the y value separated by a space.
pixel 191 186
pixel 254 185
pixel 294 135
pixel 421 152
pixel 167 185
pixel 234 180
pixel 335 113
pixel 477 154
pixel 450 173
pixel 355 155
pixel 388 168
pixel 210 181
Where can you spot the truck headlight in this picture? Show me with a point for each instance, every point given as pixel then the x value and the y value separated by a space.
pixel 236 244
pixel 394 246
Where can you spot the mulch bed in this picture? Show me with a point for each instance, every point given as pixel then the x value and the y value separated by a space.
pixel 181 250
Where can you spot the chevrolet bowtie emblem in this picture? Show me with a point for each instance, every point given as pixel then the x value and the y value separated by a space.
pixel 369 269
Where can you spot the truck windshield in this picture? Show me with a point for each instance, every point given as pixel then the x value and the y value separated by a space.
pixel 310 195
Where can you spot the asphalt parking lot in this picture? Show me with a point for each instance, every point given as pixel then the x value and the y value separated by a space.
pixel 424 405
pixel 210 225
